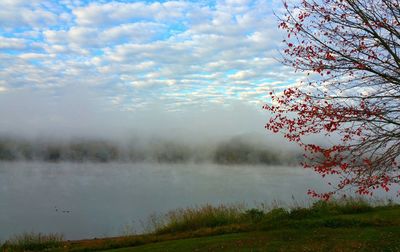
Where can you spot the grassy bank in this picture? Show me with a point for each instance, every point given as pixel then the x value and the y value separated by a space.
pixel 344 225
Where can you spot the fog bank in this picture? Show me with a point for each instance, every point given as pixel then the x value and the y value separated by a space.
pixel 237 150
pixel 82 126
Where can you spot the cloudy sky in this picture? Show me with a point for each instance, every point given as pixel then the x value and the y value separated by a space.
pixel 134 54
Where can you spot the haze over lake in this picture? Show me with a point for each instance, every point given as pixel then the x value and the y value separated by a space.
pixel 107 172
pixel 94 173
pixel 86 200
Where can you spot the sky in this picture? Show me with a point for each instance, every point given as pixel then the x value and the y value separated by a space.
pixel 72 56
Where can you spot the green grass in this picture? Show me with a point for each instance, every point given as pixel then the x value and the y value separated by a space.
pixel 325 226
pixel 318 239
pixel 329 214
pixel 341 225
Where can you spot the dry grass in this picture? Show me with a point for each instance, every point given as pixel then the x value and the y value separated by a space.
pixel 33 242
pixel 193 218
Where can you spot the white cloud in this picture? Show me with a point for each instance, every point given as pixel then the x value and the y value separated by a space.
pixel 243 75
pixel 35 14
pixel 113 13
pixel 12 43
pixel 33 56
pixel 89 38
pixel 178 51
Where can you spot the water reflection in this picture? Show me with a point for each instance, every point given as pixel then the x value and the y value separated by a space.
pixel 86 200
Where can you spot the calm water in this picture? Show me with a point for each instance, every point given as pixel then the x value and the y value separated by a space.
pixel 94 200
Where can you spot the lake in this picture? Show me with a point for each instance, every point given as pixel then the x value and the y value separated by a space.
pixel 87 200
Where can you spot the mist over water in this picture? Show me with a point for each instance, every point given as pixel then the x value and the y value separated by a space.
pixel 244 149
pixel 78 165
pixel 79 126
pixel 80 113
pixel 87 200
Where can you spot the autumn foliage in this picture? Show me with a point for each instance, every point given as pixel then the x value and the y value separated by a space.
pixel 350 50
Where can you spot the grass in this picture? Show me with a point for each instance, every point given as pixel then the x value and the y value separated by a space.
pixel 208 216
pixel 33 242
pixel 194 218
pixel 314 239
pixel 341 225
